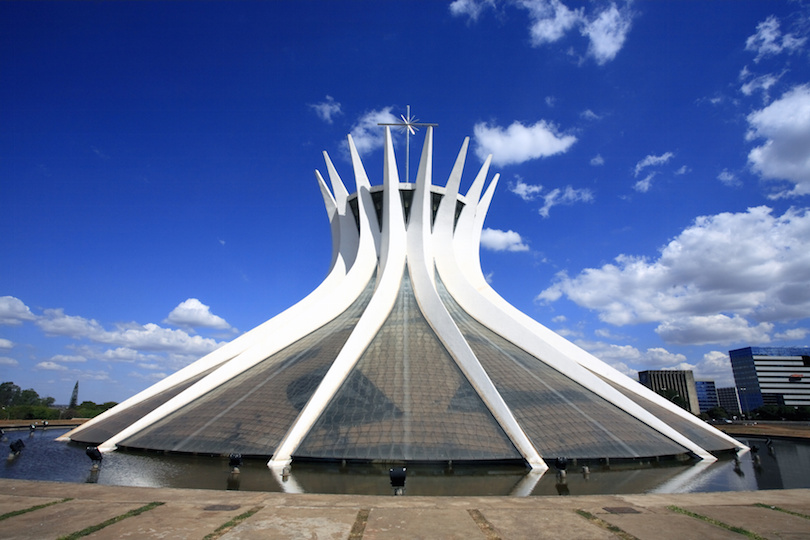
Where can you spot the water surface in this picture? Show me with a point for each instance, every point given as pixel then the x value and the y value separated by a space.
pixel 784 465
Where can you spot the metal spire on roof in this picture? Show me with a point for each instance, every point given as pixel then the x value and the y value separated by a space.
pixel 410 125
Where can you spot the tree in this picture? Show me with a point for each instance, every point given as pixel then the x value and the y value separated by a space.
pixel 25 404
pixel 674 397
pixel 74 397
pixel 718 412
pixel 9 394
pixel 28 397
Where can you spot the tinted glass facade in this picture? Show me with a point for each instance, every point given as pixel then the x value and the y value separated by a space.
pixel 772 376
pixel 560 416
pixel 106 428
pixel 706 395
pixel 406 399
pixel 251 412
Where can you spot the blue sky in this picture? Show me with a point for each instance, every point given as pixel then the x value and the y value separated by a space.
pixel 157 195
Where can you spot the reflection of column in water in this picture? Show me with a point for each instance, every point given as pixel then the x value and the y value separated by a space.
pixel 92 478
pixel 562 484
pixel 234 480
pixel 737 468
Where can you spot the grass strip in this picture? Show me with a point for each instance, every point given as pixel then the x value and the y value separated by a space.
pixel 785 510
pixel 717 523
pixel 359 526
pixel 93 528
pixel 483 523
pixel 624 535
pixel 37 507
pixel 227 526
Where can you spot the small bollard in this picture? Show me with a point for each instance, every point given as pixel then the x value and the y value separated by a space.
pixel 397 476
pixel 16 447
pixel 95 456
pixel 234 462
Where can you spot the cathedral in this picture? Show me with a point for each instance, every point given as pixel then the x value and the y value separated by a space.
pixel 404 353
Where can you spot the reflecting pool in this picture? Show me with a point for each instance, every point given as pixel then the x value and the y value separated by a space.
pixel 781 465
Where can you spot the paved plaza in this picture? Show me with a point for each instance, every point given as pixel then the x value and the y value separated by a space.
pixel 42 510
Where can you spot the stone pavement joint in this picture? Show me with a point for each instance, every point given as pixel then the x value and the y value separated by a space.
pixel 483 524
pixel 359 524
pixel 785 510
pixel 717 522
pixel 624 535
pixel 32 508
pixel 227 526
pixel 97 527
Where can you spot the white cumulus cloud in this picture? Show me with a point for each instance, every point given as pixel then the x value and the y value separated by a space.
pixel 13 311
pixel 519 143
pixel 327 109
pixel 728 178
pixel 629 360
pixel 68 358
pixel 606 27
pixel 527 192
pixel 785 154
pixel 551 20
pixel 607 33
pixel 603 24
pixel 724 279
pixel 194 314
pixel 652 161
pixel 50 366
pixel 367 134
pixel 769 40
pixel 470 8
pixel 497 240
pixel 715 366
pixel 148 337
pixel 718 328
pixel 644 185
pixel 567 195
pixel 761 83
pixel 793 334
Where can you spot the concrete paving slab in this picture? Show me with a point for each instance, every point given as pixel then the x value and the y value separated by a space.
pixel 412 523
pixel 61 519
pixel 551 523
pixel 11 503
pixel 798 508
pixel 762 521
pixel 295 523
pixel 647 526
pixel 101 492
pixel 332 516
pixel 172 520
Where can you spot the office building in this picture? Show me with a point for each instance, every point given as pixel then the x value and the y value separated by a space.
pixel 772 376
pixel 706 395
pixel 677 385
pixel 729 399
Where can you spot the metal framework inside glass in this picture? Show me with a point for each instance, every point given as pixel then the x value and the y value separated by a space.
pixel 250 413
pixel 406 399
pixel 560 416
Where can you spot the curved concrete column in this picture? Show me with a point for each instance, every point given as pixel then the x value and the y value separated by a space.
pixel 337 292
pixel 391 264
pixel 421 268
